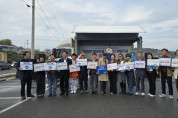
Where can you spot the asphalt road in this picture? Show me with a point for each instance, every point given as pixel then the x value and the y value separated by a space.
pixel 12 70
pixel 85 106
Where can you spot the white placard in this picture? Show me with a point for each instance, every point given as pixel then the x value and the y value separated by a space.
pixel 81 62
pixel 112 66
pixel 91 65
pixel 74 68
pixel 50 66
pixel 62 66
pixel 129 65
pixel 121 67
pixel 26 65
pixel 175 62
pixel 165 61
pixel 153 62
pixel 39 67
pixel 139 64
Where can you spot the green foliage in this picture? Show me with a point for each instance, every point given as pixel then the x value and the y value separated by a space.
pixel 13 56
pixel 6 42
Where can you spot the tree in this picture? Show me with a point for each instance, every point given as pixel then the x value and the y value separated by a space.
pixel 6 42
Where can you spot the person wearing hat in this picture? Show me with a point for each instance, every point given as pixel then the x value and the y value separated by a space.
pixel 103 78
pixel 83 77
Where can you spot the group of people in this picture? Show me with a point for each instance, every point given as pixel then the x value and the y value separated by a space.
pixel 79 79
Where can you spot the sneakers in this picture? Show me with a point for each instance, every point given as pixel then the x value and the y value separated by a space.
pixel 137 93
pixel 75 91
pixel 149 94
pixel 171 97
pixel 142 94
pixel 152 95
pixel 72 92
pixel 162 95
pixel 81 92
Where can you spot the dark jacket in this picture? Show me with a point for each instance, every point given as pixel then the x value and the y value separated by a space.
pixel 141 71
pixel 24 73
pixel 65 72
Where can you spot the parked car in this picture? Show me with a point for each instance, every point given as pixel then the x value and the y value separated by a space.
pixel 4 65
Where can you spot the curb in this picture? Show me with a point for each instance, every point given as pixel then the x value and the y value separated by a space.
pixel 8 79
pixel 7 75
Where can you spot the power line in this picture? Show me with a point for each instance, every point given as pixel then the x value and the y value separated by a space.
pixel 52 12
pixel 49 20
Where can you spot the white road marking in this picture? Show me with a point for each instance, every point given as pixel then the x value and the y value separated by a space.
pixel 14 105
pixel 9 86
pixel 9 98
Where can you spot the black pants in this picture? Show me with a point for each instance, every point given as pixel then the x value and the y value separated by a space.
pixel 165 78
pixel 28 80
pixel 113 82
pixel 83 80
pixel 64 82
pixel 152 82
pixel 40 82
pixel 103 85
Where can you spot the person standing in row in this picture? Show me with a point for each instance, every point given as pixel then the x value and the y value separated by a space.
pixel 151 74
pixel 108 52
pixel 121 75
pixel 83 77
pixel 25 76
pixel 94 76
pixel 64 74
pixel 40 80
pixel 176 72
pixel 140 77
pixel 74 75
pixel 52 78
pixel 103 78
pixel 166 76
pixel 113 77
pixel 130 76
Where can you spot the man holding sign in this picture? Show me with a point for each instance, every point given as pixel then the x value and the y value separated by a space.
pixel 64 74
pixel 25 75
pixel 166 76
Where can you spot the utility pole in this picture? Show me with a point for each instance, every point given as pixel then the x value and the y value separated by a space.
pixel 33 29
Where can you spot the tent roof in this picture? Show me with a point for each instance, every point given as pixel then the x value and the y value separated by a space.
pixel 108 29
pixel 65 43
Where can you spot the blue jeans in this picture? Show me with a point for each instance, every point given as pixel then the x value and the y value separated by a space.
pixel 94 82
pixel 130 89
pixel 52 84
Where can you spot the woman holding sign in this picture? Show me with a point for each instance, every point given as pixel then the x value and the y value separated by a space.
pixel 121 75
pixel 151 74
pixel 176 71
pixel 130 76
pixel 40 81
pixel 103 78
pixel 113 77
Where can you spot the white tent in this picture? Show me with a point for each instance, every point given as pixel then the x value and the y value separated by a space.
pixel 65 43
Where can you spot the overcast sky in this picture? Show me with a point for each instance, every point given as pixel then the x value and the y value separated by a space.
pixel 158 17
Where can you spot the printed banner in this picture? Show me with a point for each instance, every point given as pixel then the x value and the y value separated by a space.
pixel 175 62
pixel 39 67
pixel 129 65
pixel 26 65
pixel 112 66
pixel 91 65
pixel 152 62
pixel 50 66
pixel 81 62
pixel 74 68
pixel 139 64
pixel 101 69
pixel 165 61
pixel 62 66
pixel 121 67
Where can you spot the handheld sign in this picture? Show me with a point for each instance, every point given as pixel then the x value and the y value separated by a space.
pixel 62 66
pixel 91 65
pixel 165 61
pixel 74 68
pixel 39 67
pixel 129 65
pixel 50 66
pixel 152 63
pixel 121 67
pixel 101 69
pixel 139 64
pixel 174 62
pixel 26 65
pixel 81 62
pixel 112 66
